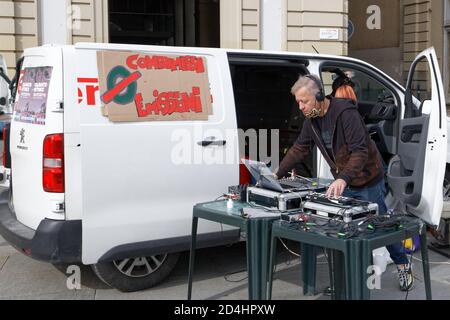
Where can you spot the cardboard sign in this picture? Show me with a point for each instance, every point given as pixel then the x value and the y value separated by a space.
pixel 153 87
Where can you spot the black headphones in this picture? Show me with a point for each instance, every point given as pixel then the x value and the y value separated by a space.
pixel 320 96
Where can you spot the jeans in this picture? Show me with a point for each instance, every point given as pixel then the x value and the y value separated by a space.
pixel 376 194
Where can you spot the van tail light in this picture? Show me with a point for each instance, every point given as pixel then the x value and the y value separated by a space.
pixel 6 153
pixel 53 163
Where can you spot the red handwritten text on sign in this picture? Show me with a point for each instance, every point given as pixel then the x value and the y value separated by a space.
pixel 183 63
pixel 166 103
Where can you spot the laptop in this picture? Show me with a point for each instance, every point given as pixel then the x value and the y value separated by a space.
pixel 263 175
pixel 266 179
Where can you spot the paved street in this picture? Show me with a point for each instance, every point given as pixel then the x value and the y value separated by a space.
pixel 220 274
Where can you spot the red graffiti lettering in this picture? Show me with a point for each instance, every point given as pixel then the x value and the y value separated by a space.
pixel 167 103
pixel 80 96
pixel 182 63
pixel 90 94
pixel 19 85
pixel 88 88
pixel 131 61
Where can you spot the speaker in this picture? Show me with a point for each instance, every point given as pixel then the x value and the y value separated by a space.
pixel 320 96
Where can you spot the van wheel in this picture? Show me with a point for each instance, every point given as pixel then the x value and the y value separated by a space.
pixel 134 274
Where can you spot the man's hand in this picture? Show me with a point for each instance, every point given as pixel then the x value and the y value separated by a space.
pixel 336 188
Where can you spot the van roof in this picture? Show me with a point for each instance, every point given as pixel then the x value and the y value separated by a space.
pixel 203 50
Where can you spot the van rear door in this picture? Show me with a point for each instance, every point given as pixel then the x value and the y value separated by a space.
pixel 37 113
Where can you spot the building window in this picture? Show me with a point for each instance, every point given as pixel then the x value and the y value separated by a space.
pixel 143 22
pixel 165 22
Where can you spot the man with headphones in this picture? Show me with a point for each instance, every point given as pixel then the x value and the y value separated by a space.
pixel 335 126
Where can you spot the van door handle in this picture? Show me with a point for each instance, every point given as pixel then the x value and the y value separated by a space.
pixel 206 143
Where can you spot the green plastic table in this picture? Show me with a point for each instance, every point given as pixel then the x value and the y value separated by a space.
pixel 351 256
pixel 258 230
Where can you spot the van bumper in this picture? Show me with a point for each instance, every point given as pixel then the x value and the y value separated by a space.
pixel 53 241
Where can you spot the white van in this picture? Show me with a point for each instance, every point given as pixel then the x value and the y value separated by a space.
pixel 92 183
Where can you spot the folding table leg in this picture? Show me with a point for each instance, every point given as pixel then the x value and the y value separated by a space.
pixel 425 264
pixel 192 255
pixel 308 258
pixel 273 253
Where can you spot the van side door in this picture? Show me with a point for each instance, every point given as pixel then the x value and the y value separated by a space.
pixel 416 174
pixel 141 179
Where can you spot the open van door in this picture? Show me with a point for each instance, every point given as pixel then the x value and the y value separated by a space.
pixel 416 173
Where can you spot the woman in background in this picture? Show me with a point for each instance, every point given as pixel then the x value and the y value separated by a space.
pixel 343 87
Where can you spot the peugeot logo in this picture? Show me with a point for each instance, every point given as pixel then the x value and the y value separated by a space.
pixel 22 135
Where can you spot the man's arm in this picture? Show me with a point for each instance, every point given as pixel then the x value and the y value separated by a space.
pixel 298 151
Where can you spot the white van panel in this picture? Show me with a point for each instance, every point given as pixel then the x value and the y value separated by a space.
pixel 132 189
pixel 73 92
pixel 72 153
pixel 32 204
pixel 72 138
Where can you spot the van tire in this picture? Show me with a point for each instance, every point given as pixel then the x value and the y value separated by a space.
pixel 110 273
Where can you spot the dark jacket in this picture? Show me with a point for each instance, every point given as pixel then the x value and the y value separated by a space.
pixel 354 158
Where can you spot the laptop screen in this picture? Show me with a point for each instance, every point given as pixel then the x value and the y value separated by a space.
pixel 263 175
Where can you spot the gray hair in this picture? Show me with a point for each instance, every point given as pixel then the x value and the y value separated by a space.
pixel 307 82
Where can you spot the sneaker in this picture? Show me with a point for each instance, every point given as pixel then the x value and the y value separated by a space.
pixel 405 277
pixel 328 291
